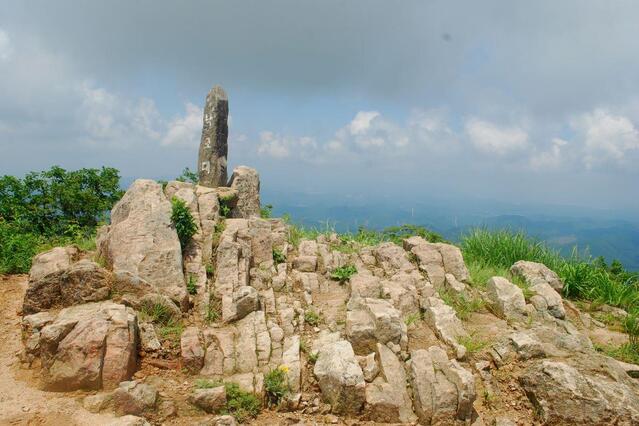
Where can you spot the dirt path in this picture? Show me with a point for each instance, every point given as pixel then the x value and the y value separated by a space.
pixel 21 402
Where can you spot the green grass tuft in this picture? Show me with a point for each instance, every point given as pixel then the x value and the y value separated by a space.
pixel 343 273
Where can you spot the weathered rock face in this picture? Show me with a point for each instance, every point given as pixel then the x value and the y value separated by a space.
pixel 142 241
pixel 246 181
pixel 505 297
pixel 210 400
pixel 192 349
pixel 564 395
pixel 73 284
pixel 89 346
pixel 443 390
pixel 54 260
pixel 535 273
pixel 372 321
pixel 443 320
pixel 134 398
pixel 340 378
pixel 214 142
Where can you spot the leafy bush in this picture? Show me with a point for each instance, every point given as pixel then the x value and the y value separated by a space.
pixel 266 211
pixel 183 221
pixel 276 385
pixel 343 273
pixel 312 318
pixel 17 248
pixel 49 208
pixel 188 176
pixel 242 405
pixel 278 256
pixel 191 285
pixel 49 202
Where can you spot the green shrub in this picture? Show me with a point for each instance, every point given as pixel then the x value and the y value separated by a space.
pixel 463 305
pixel 183 221
pixel 17 248
pixel 157 313
pixel 240 404
pixel 266 211
pixel 625 353
pixel 343 273
pixel 276 385
pixel 278 256
pixel 631 326
pixel 191 285
pixel 188 176
pixel 312 318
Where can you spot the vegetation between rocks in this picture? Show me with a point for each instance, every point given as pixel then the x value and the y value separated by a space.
pixel 183 221
pixel 276 385
pixel 343 273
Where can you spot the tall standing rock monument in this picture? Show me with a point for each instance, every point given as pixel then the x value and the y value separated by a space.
pixel 214 142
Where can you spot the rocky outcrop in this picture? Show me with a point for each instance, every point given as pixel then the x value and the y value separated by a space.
pixel 214 144
pixel 562 394
pixel 71 284
pixel 89 346
pixel 437 260
pixel 506 299
pixel 246 182
pixel 443 390
pixel 142 241
pixel 535 273
pixel 340 378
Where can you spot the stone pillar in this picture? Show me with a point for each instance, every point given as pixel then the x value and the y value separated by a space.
pixel 214 143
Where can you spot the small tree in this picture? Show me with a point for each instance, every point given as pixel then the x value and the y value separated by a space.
pixel 183 221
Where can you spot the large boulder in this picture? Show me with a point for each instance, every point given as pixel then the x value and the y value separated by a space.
pixel 247 183
pixel 340 378
pixel 535 273
pixel 81 282
pixel 506 299
pixel 54 260
pixel 443 390
pixel 142 240
pixel 563 394
pixel 89 346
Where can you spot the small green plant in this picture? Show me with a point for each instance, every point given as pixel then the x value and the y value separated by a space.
pixel 312 318
pixel 312 357
pixel 241 404
pixel 472 343
pixel 625 353
pixel 208 384
pixel 631 326
pixel 171 332
pixel 303 346
pixel 276 385
pixel 209 270
pixel 213 311
pixel 183 221
pixel 462 304
pixel 226 204
pixel 191 285
pixel 412 318
pixel 157 313
pixel 188 176
pixel 266 211
pixel 343 273
pixel 278 256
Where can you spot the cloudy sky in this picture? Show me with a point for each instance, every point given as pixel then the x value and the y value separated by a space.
pixel 531 102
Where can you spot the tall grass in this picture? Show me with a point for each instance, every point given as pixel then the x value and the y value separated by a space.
pixel 583 277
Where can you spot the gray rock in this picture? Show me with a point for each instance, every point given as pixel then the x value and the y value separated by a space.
pixel 77 283
pixel 369 366
pixel 148 338
pixel 98 402
pixel 192 350
pixel 305 263
pixel 340 378
pixel 443 320
pixel 535 273
pixel 563 394
pixel 134 398
pixel 89 346
pixel 142 240
pixel 54 260
pixel 212 156
pixel 547 299
pixel 246 181
pixel 211 400
pixel 506 299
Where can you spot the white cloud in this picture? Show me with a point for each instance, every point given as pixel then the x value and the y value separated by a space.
pixel 551 159
pixel 272 145
pixel 185 130
pixel 362 122
pixel 489 137
pixel 6 49
pixel 605 136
